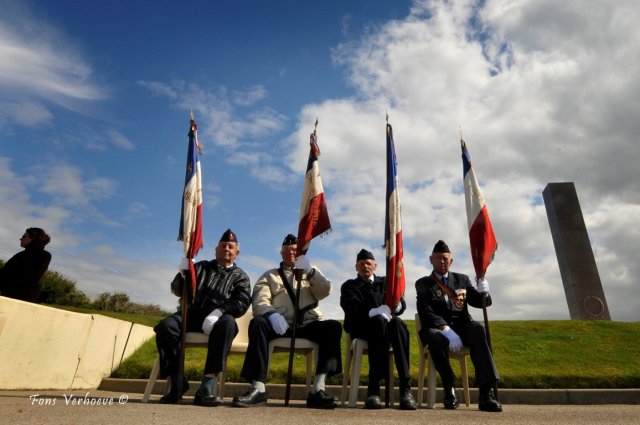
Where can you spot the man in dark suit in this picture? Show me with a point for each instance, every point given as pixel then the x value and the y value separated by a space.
pixel 368 318
pixel 443 300
pixel 223 294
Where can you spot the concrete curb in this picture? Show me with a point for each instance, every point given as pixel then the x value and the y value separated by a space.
pixel 506 395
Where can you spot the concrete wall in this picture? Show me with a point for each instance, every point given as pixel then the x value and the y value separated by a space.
pixel 47 348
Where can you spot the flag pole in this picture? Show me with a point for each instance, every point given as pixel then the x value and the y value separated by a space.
pixel 395 277
pixel 191 224
pixel 387 390
pixel 297 273
pixel 484 244
pixel 485 314
pixel 314 221
pixel 185 309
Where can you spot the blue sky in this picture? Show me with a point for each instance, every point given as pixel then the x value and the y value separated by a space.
pixel 95 100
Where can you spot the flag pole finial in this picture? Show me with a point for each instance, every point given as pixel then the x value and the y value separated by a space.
pixel 387 115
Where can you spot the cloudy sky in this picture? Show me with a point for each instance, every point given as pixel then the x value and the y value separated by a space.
pixel 94 108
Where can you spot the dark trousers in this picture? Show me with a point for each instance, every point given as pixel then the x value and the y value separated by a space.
pixel 327 333
pixel 168 333
pixel 473 336
pixel 379 335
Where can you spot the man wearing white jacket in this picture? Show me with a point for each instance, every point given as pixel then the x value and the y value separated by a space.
pixel 273 311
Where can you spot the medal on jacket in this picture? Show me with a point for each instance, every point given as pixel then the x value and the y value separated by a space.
pixel 458 297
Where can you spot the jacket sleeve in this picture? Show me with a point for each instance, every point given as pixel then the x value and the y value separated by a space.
pixel 262 298
pixel 320 286
pixel 474 298
pixel 177 284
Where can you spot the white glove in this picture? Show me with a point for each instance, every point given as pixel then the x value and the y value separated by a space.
pixel 383 311
pixel 184 265
pixel 211 320
pixel 278 323
pixel 303 263
pixel 455 343
pixel 483 285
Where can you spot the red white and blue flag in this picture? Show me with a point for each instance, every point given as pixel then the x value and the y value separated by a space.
pixel 393 229
pixel 481 237
pixel 191 216
pixel 314 217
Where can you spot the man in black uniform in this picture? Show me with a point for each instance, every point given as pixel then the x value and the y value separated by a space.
pixel 443 300
pixel 223 294
pixel 368 318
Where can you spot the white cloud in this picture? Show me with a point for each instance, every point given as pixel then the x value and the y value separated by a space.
pixel 27 113
pixel 238 122
pixel 119 140
pixel 40 62
pixel 66 185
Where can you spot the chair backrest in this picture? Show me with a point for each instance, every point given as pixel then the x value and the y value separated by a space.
pixel 421 346
pixel 241 342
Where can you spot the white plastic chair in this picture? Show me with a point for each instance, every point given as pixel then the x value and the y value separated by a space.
pixel 302 346
pixel 356 348
pixel 461 356
pixel 199 339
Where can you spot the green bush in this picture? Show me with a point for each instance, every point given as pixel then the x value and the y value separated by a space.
pixel 120 302
pixel 57 289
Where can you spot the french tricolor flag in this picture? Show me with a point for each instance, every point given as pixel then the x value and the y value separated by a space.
pixel 393 229
pixel 191 216
pixel 482 239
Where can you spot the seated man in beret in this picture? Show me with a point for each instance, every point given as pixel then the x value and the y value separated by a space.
pixel 223 293
pixel 443 300
pixel 273 310
pixel 367 317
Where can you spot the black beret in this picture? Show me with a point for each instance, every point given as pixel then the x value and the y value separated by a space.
pixel 290 240
pixel 441 246
pixel 229 236
pixel 364 255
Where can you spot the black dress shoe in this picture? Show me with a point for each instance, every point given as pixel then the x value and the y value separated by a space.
pixel 253 397
pixel 487 402
pixel 450 399
pixel 321 400
pixel 373 402
pixel 172 396
pixel 208 400
pixel 407 402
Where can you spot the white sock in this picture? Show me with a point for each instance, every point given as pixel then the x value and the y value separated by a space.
pixel 318 382
pixel 258 386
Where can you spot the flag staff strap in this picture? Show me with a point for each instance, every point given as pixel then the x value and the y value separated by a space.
pixel 297 275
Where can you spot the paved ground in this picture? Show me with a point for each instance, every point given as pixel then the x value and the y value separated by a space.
pixel 108 407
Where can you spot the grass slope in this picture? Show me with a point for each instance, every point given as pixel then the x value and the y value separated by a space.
pixel 528 354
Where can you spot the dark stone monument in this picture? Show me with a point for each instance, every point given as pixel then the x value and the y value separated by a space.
pixel 578 269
